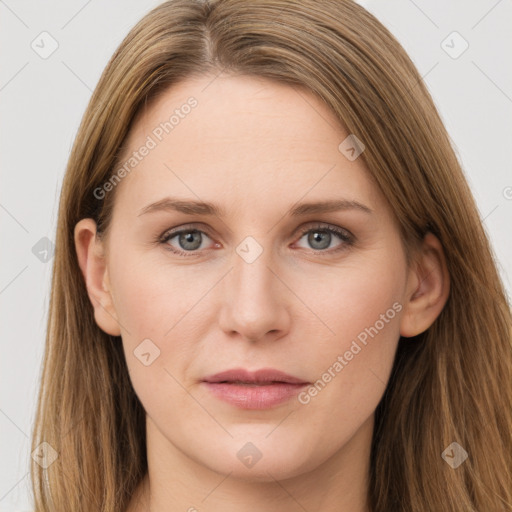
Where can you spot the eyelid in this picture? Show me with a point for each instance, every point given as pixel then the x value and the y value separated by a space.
pixel 326 227
pixel 185 227
pixel 301 229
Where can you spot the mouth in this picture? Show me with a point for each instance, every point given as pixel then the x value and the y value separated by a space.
pixel 264 376
pixel 262 389
pixel 250 384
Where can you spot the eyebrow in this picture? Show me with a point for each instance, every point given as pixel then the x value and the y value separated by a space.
pixel 207 208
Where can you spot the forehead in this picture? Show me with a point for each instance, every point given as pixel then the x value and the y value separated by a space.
pixel 244 110
pixel 251 137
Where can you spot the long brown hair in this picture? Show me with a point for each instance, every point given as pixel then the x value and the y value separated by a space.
pixel 452 383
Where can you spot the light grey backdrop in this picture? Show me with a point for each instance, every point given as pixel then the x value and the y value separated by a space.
pixel 53 55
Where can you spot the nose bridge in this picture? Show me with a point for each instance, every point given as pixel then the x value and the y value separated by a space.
pixel 251 274
pixel 253 305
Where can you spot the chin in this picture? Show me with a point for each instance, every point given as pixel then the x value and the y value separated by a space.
pixel 260 459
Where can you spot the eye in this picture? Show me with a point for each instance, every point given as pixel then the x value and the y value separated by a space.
pixel 188 241
pixel 320 236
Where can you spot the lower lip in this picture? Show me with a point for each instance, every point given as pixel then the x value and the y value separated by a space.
pixel 254 397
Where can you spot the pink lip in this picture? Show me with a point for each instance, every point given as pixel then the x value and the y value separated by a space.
pixel 254 390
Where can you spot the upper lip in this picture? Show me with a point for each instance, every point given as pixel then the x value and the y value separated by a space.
pixel 262 376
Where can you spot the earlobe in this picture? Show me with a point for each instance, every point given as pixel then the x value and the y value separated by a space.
pixel 93 264
pixel 429 287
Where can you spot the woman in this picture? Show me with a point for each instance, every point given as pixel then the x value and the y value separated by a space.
pixel 272 289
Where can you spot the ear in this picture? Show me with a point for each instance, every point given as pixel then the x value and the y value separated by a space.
pixel 92 261
pixel 428 287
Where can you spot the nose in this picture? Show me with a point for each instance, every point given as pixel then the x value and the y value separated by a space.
pixel 256 302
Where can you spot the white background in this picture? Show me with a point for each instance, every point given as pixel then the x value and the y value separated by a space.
pixel 43 100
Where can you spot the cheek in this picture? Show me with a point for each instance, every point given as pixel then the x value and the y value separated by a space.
pixel 353 362
pixel 159 306
pixel 350 298
pixel 150 302
pixel 151 296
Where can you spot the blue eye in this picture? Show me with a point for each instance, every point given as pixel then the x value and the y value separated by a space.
pixel 320 237
pixel 190 240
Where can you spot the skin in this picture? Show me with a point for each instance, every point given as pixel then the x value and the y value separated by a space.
pixel 255 148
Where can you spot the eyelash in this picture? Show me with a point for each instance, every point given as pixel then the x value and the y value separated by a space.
pixel 347 238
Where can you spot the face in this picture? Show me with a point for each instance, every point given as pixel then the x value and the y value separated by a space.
pixel 260 282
